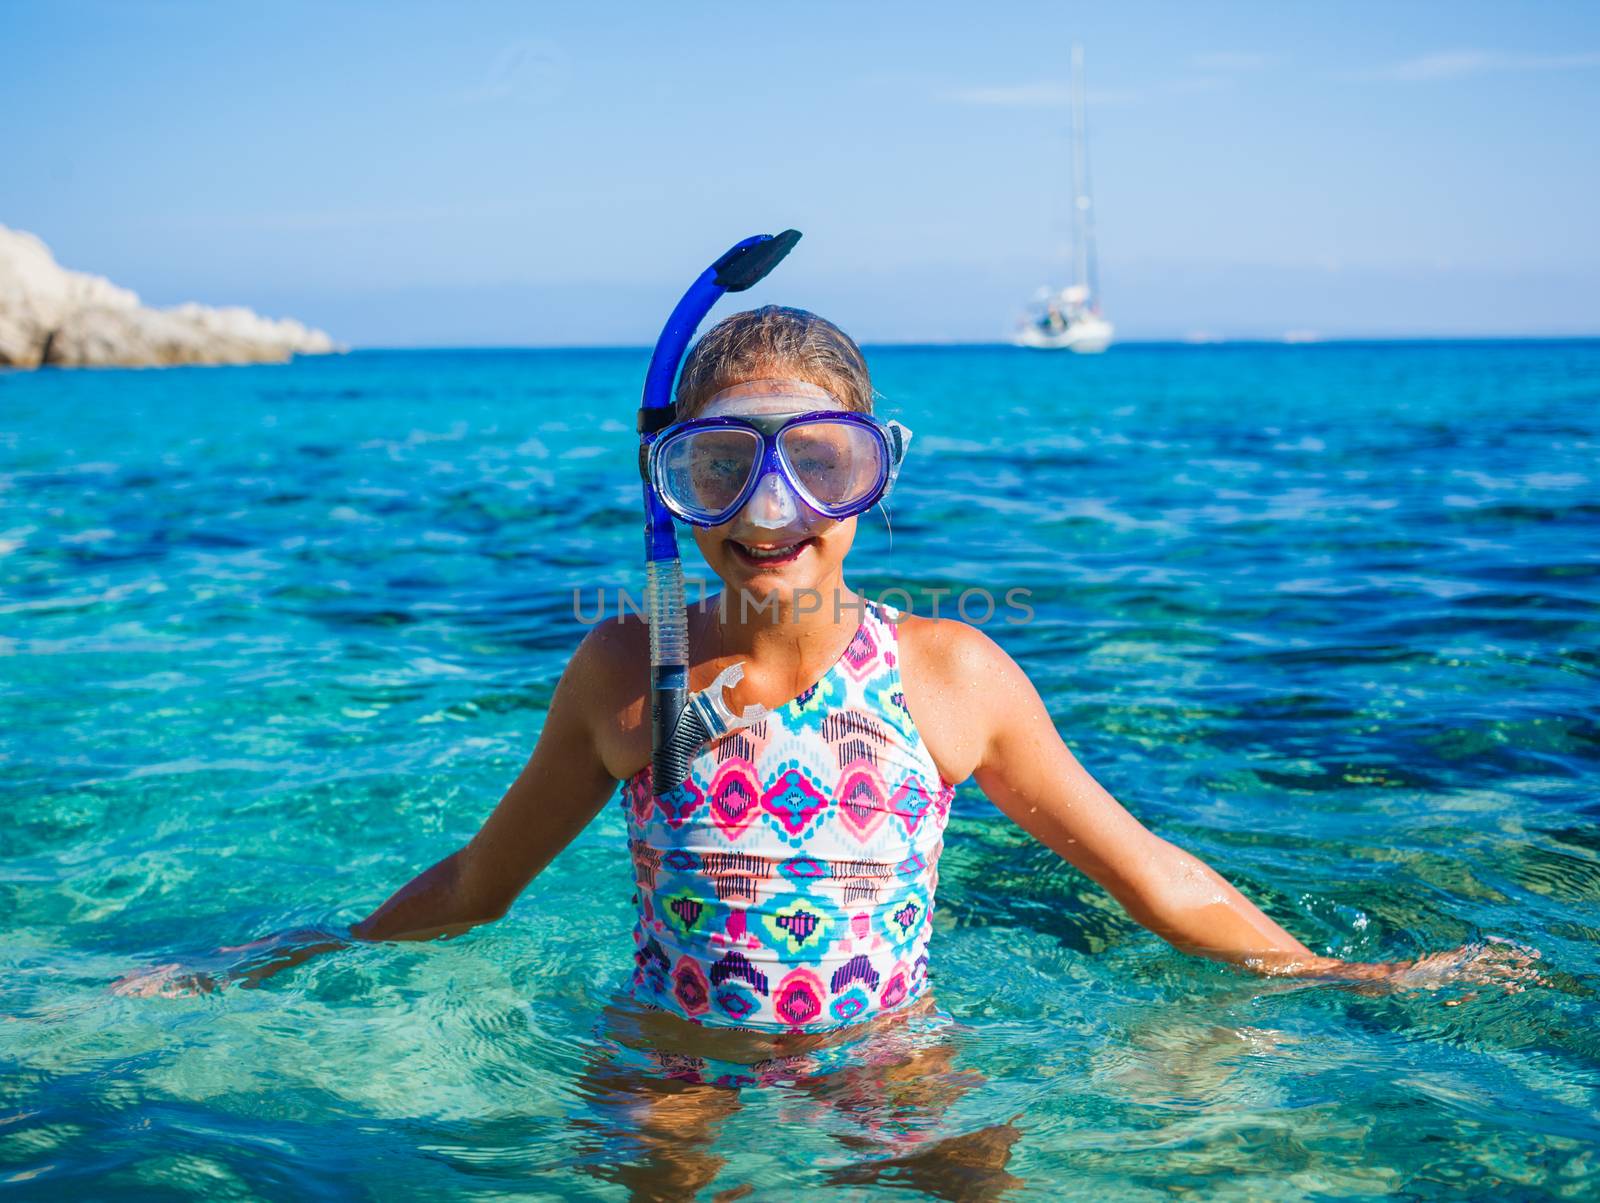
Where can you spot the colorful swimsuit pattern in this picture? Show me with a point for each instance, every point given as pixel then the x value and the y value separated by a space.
pixel 788 884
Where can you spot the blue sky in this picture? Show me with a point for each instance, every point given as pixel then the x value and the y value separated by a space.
pixel 518 174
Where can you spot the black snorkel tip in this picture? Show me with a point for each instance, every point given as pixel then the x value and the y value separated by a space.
pixel 745 266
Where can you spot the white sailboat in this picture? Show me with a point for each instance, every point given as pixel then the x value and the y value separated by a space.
pixel 1069 319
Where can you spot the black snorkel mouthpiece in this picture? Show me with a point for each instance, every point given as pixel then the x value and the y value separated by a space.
pixel 681 724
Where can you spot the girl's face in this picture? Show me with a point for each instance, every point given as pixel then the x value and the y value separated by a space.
pixel 807 550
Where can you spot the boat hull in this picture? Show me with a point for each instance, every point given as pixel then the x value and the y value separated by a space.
pixel 1087 337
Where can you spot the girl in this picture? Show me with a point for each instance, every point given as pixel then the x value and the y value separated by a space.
pixel 785 889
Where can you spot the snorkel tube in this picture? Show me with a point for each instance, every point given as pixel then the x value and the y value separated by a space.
pixel 680 724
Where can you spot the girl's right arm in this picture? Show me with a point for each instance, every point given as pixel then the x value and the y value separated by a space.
pixel 560 789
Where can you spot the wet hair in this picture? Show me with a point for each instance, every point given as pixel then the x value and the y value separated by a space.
pixel 774 341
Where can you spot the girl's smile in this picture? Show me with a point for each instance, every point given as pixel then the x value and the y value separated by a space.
pixel 770 555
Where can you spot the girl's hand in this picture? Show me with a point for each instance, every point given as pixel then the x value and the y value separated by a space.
pixel 251 963
pixel 169 980
pixel 1491 962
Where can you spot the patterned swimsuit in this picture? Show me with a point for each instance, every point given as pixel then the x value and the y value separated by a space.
pixel 787 885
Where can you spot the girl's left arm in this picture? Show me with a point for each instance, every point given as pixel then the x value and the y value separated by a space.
pixel 1023 766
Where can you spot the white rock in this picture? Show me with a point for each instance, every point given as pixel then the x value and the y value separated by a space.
pixel 49 314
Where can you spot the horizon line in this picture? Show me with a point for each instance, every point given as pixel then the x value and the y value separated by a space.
pixel 889 344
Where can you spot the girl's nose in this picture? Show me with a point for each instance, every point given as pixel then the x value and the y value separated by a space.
pixel 773 505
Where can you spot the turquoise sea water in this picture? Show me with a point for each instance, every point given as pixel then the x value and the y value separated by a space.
pixel 273 640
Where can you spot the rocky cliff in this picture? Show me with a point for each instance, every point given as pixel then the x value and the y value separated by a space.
pixel 49 315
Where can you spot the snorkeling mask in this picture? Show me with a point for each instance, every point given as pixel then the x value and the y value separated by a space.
pixel 798 467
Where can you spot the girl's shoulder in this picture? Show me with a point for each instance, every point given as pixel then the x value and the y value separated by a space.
pixel 952 674
pixel 609 678
pixel 615 653
pixel 609 674
pixel 947 651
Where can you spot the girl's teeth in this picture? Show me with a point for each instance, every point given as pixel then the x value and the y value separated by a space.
pixel 768 553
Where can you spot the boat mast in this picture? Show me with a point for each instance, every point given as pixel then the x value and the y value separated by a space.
pixel 1082 206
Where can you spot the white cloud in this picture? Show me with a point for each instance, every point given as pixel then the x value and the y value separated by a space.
pixel 1458 64
pixel 1231 60
pixel 1214 69
pixel 1017 96
pixel 346 219
pixel 529 69
pixel 1189 84
pixel 1059 95
pixel 1042 96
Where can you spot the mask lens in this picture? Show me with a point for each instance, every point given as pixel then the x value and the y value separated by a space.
pixel 704 471
pixel 838 463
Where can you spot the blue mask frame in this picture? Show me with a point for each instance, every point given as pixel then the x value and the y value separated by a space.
pixel 892 438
